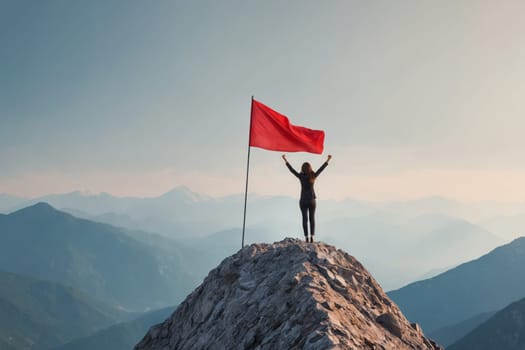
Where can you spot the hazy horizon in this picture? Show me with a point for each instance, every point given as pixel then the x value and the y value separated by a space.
pixel 251 193
pixel 417 99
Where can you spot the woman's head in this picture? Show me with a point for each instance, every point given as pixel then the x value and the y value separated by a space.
pixel 306 168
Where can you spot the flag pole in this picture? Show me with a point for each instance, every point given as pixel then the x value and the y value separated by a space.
pixel 247 172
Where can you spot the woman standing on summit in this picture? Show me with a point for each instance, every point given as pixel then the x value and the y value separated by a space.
pixel 307 202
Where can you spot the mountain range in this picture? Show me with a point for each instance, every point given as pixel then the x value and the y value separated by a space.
pixel 404 231
pixel 389 245
pixel 503 331
pixel 38 314
pixel 104 261
pixel 121 336
pixel 486 284
pixel 450 334
pixel 129 269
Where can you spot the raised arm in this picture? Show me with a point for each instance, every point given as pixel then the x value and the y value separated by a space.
pixel 325 164
pixel 292 170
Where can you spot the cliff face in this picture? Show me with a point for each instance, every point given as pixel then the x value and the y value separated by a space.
pixel 287 295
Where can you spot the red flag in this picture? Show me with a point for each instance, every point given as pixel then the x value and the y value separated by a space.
pixel 273 131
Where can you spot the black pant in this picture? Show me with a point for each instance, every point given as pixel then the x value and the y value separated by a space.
pixel 308 210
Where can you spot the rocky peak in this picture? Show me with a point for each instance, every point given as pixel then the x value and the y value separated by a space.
pixel 287 295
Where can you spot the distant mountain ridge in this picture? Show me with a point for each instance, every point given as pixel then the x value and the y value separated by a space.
pixel 173 213
pixel 41 314
pixel 488 283
pixel 185 215
pixel 68 247
pixel 104 261
pixel 122 336
pixel 450 334
pixel 503 331
pixel 390 245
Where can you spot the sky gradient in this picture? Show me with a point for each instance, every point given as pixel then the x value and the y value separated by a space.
pixel 417 98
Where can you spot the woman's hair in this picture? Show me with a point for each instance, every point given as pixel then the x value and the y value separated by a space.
pixel 306 168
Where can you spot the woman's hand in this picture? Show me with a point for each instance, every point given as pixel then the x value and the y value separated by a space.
pixel 284 157
pixel 329 157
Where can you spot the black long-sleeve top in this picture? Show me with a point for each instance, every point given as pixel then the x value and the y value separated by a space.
pixel 307 187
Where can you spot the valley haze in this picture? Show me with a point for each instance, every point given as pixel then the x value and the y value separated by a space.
pixel 399 242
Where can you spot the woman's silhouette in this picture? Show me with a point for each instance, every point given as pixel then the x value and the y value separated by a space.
pixel 307 202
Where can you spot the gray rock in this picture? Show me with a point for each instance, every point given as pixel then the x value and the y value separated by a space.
pixel 390 322
pixel 287 295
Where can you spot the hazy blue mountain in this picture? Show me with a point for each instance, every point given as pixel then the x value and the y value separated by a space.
pixel 450 334
pixel 456 241
pixel 224 243
pixel 426 205
pixel 40 314
pixel 176 213
pixel 93 204
pixel 127 222
pixel 122 336
pixel 387 237
pixel 102 260
pixel 398 250
pixel 184 213
pixel 482 285
pixel 507 226
pixel 503 331
pixel 476 212
pixel 434 272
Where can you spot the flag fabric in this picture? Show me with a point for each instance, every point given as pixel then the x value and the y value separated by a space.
pixel 273 131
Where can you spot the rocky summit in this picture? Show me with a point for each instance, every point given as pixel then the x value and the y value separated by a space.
pixel 287 295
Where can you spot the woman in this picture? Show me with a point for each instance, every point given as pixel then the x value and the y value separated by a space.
pixel 307 202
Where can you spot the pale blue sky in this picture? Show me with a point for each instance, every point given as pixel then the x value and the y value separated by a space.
pixel 135 97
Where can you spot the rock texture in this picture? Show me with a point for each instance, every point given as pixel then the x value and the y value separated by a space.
pixel 287 295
